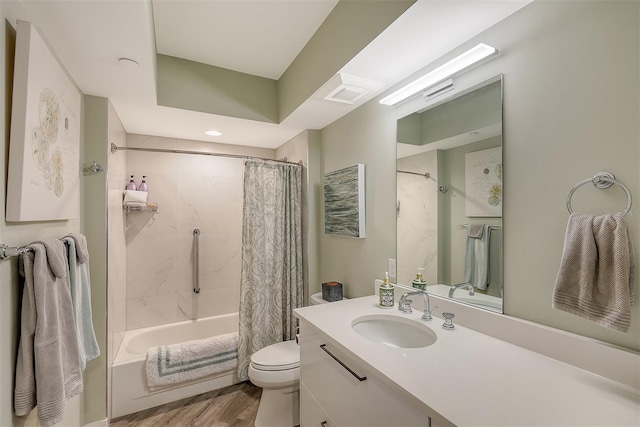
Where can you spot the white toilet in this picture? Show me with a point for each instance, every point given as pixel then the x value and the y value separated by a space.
pixel 276 369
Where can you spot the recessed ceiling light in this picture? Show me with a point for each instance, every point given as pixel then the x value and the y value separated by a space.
pixel 128 62
pixel 213 133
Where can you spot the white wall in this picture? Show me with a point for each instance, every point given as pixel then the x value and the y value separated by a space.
pixel 571 108
pixel 116 245
pixel 192 191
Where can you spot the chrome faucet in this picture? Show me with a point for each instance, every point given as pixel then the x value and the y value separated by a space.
pixel 404 305
pixel 469 286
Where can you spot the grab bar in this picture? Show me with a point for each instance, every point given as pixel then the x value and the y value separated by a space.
pixel 196 237
pixel 324 347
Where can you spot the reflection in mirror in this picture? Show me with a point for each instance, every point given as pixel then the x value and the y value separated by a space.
pixel 449 189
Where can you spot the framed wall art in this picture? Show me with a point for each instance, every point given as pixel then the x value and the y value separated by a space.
pixel 44 150
pixel 483 183
pixel 344 202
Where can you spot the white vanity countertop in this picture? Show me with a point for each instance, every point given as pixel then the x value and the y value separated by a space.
pixel 473 379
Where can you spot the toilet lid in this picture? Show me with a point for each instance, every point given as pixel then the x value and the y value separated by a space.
pixel 277 357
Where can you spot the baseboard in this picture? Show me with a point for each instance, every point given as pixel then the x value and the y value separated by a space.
pixel 99 423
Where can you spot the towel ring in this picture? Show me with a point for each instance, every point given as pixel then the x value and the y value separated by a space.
pixel 601 180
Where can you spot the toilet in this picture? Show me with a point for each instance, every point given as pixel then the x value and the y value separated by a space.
pixel 276 369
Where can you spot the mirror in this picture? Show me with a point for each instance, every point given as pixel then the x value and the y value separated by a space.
pixel 449 196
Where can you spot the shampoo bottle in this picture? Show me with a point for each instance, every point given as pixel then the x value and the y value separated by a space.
pixel 131 185
pixel 419 282
pixel 143 185
pixel 386 293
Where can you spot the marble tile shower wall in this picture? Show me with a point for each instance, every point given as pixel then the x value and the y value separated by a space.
pixel 417 223
pixel 192 192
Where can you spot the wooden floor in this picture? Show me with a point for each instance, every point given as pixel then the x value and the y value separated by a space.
pixel 236 405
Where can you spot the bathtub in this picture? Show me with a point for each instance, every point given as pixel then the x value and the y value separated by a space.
pixel 129 391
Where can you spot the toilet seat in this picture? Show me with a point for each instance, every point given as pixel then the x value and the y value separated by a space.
pixel 281 356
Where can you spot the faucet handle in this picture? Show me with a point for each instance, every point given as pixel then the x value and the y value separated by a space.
pixel 405 306
pixel 448 321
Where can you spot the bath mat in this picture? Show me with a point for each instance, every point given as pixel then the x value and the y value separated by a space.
pixel 177 363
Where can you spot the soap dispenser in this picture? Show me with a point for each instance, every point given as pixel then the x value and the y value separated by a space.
pixel 419 282
pixel 386 293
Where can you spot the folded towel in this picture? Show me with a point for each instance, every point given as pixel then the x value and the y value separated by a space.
pixel 476 265
pixel 81 297
pixel 173 364
pixel 475 230
pixel 597 273
pixel 135 197
pixel 48 363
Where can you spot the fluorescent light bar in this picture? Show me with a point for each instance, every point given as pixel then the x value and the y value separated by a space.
pixel 444 71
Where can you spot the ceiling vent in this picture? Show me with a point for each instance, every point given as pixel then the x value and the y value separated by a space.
pixel 349 89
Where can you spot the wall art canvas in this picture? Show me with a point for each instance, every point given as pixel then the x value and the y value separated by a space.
pixel 483 183
pixel 44 150
pixel 344 213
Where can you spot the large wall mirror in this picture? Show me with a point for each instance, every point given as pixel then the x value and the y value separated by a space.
pixel 449 189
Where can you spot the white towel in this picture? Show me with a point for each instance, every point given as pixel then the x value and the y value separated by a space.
pixel 597 273
pixel 476 266
pixel 173 364
pixel 81 297
pixel 48 364
pixel 133 197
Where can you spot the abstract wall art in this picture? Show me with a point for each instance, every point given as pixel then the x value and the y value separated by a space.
pixel 44 150
pixel 344 203
pixel 483 183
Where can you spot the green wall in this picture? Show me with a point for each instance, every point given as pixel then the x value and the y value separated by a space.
pixel 571 108
pixel 96 119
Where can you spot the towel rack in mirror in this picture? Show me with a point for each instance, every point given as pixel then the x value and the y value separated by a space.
pixel 601 180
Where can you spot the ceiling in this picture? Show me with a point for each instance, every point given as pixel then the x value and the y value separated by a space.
pixel 257 37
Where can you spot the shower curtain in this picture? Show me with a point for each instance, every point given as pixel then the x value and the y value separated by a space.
pixel 271 279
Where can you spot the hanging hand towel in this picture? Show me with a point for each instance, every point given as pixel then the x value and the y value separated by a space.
pixel 81 296
pixel 48 364
pixel 476 265
pixel 177 363
pixel 597 273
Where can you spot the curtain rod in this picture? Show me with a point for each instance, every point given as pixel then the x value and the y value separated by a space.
pixel 115 148
pixel 426 174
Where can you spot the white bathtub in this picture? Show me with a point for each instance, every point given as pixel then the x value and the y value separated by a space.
pixel 129 391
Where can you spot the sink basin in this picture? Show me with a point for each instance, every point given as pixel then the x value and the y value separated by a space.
pixel 394 331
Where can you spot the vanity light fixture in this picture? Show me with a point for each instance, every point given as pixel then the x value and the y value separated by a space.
pixel 438 89
pixel 213 133
pixel 441 73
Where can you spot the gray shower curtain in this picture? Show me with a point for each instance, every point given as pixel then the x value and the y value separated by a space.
pixel 271 280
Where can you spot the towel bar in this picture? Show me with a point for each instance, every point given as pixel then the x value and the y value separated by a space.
pixel 11 251
pixel 601 180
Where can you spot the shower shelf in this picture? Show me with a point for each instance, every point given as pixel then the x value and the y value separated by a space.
pixel 134 207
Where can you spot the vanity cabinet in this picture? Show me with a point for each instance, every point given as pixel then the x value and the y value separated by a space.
pixel 334 391
pixel 311 413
